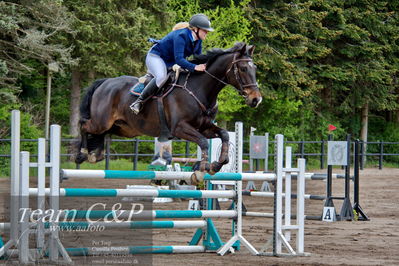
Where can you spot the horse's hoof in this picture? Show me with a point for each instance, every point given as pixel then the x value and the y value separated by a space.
pixel 92 158
pixel 197 177
pixel 101 155
pixel 100 158
pixel 80 158
pixel 205 166
pixel 215 167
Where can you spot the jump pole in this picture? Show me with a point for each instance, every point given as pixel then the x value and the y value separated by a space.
pixel 85 226
pixel 162 175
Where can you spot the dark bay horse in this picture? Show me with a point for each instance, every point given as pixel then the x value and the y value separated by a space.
pixel 190 106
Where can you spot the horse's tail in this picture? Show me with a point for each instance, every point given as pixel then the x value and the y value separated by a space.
pixel 86 101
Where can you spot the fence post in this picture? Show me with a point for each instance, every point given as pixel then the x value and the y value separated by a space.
pixel 187 155
pixel 136 155
pixel 361 154
pixel 381 154
pixel 302 149
pixel 267 152
pixel 107 152
pixel 322 155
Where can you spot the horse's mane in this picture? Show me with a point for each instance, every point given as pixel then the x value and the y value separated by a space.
pixel 213 54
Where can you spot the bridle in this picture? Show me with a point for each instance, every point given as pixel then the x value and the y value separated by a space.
pixel 233 66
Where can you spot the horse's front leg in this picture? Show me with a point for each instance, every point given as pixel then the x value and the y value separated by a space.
pixel 185 131
pixel 218 132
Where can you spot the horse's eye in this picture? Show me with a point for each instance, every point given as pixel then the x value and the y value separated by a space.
pixel 243 69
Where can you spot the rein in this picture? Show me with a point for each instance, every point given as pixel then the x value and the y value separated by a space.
pixel 184 87
pixel 237 77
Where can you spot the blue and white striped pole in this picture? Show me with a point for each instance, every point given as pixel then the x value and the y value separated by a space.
pixel 160 193
pixel 137 214
pixel 120 224
pixel 163 175
pixel 125 250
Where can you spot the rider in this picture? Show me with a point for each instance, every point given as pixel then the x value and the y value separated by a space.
pixel 174 48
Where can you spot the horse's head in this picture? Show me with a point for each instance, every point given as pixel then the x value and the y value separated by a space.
pixel 242 75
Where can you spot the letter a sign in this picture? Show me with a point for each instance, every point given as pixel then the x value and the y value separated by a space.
pixel 329 214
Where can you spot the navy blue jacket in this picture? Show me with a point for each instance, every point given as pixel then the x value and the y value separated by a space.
pixel 175 47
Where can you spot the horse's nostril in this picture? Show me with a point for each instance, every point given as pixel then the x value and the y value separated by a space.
pixel 254 101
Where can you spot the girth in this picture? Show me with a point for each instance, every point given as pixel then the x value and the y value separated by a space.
pixel 165 133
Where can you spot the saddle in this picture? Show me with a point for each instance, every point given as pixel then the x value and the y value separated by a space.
pixel 173 77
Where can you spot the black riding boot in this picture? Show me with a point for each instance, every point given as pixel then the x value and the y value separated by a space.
pixel 148 91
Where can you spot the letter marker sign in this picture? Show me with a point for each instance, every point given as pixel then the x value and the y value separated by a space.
pixel 337 153
pixel 329 214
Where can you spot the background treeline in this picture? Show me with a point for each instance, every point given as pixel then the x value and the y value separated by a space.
pixel 319 62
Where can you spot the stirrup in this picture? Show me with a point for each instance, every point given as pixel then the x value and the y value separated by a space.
pixel 136 107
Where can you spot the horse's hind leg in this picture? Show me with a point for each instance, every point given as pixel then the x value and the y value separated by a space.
pixel 82 152
pixel 94 145
pixel 96 148
pixel 217 132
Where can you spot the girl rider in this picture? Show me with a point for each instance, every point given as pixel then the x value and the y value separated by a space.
pixel 174 48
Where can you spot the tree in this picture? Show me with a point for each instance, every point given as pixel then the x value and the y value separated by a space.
pixel 30 33
pixel 111 40
pixel 287 36
pixel 31 30
pixel 360 70
pixel 324 61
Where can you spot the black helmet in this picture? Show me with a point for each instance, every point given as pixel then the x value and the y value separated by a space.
pixel 201 21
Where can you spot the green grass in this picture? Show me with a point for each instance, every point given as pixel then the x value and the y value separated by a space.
pixel 121 164
pixel 385 164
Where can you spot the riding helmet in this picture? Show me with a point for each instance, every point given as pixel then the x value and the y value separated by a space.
pixel 201 21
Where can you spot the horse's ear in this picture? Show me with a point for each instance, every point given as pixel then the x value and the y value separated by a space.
pixel 243 49
pixel 251 49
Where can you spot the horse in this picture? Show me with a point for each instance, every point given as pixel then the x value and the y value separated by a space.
pixel 189 105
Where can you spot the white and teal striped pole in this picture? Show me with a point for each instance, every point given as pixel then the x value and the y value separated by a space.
pixel 124 250
pixel 158 193
pixel 87 226
pixel 162 175
pixel 140 214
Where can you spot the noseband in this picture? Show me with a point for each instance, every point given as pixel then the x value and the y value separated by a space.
pixel 237 76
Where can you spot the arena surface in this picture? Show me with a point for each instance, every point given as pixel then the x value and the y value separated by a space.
pixel 375 242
